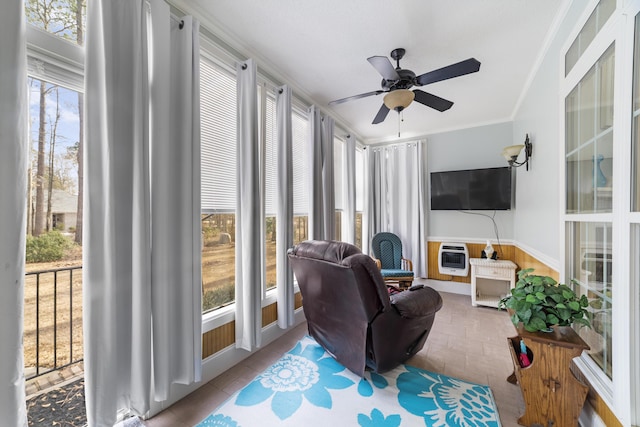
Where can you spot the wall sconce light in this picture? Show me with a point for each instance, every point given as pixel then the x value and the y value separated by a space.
pixel 512 152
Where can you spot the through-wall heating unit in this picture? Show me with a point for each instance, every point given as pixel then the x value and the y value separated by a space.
pixel 453 259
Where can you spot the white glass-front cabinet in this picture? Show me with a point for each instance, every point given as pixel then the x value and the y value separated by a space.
pixel 601 211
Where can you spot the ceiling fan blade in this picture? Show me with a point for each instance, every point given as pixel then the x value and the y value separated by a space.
pixel 468 66
pixel 432 101
pixel 351 98
pixel 384 67
pixel 382 114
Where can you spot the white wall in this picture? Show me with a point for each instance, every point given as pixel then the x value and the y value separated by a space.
pixel 537 217
pixel 471 148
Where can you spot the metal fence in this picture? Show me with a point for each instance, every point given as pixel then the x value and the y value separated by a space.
pixel 52 320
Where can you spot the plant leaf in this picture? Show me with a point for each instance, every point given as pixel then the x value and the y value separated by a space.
pixel 564 314
pixel 557 298
pixel 552 319
pixel 574 305
pixel 537 324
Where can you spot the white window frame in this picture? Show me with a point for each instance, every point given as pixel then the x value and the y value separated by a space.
pixel 54 59
pixel 266 88
pixel 340 181
pixel 360 194
pixel 631 221
pixel 223 58
pixel 620 392
pixel 220 316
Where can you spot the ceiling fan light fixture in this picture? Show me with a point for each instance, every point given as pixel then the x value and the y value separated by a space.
pixel 399 99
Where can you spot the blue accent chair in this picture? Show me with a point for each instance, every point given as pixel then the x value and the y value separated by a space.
pixel 387 253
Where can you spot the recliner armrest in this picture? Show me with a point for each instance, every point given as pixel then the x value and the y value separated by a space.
pixel 417 303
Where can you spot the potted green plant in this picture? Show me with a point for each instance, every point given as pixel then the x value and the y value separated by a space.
pixel 539 302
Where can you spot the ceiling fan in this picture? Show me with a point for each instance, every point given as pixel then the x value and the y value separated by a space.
pixel 397 81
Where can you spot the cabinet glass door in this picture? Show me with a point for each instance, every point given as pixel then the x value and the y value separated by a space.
pixel 589 139
pixel 591 267
pixel 635 137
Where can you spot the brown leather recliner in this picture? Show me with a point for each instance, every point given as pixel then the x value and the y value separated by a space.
pixel 349 310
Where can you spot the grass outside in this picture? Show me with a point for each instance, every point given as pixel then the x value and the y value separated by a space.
pixel 64 304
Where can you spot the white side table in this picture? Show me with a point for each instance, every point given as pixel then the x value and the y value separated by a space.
pixel 491 280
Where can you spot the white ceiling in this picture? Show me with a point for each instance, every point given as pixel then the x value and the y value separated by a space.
pixel 320 48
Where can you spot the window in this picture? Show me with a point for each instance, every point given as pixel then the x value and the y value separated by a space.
pixel 594 24
pixel 53 334
pixel 55 136
pixel 63 18
pixel 589 189
pixel 635 318
pixel 589 168
pixel 633 255
pixel 218 183
pixel 602 219
pixel 339 184
pixel 591 266
pixel 270 188
pixel 300 128
pixel 635 134
pixel 53 286
pixel 359 195
pixel 589 139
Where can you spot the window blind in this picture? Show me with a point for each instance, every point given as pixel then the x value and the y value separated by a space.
pixel 271 196
pixel 218 113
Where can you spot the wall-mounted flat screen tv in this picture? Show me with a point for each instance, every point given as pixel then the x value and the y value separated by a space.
pixel 472 189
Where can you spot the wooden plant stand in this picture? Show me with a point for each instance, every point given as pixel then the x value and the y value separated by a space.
pixel 552 394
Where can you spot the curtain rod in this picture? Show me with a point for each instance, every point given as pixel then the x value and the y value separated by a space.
pixel 179 20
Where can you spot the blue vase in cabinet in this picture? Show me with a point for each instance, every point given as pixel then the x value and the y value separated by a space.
pixel 599 178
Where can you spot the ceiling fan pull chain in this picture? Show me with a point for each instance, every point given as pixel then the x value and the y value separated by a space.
pixel 399 120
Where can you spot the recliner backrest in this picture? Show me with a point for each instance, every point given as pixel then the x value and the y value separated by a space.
pixel 328 258
pixel 387 247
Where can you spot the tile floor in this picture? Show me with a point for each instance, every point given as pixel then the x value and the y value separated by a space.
pixel 465 342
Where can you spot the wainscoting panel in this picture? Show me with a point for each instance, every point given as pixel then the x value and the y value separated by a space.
pixel 298 301
pixel 475 251
pixel 269 314
pixel 524 260
pixel 225 335
pixel 218 338
pixel 596 402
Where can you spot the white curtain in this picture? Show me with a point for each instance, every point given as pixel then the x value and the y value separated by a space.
pixel 349 219
pixel 141 275
pixel 14 147
pixel 398 198
pixel 284 224
pixel 248 213
pixel 322 188
pixel 175 203
pixel 376 196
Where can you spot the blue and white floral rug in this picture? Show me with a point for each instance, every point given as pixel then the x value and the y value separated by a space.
pixel 307 387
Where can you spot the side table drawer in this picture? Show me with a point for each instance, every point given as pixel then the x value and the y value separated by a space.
pixel 494 272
